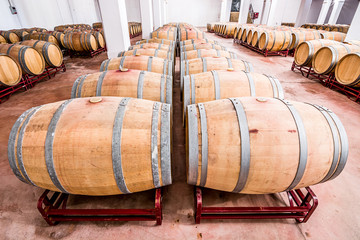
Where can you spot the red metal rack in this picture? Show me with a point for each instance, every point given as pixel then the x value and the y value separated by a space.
pixel 224 35
pixel 350 92
pixel 91 54
pixel 54 210
pixel 301 206
pixel 309 72
pixel 29 81
pixel 265 52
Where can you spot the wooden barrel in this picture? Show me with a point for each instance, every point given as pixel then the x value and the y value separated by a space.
pixel 10 71
pixel 145 63
pixel 245 33
pixel 2 39
pixel 80 41
pixel 326 58
pixel 191 33
pixel 306 50
pixel 93 146
pixel 130 83
pixel 169 34
pixel 20 33
pixel 157 40
pixel 10 37
pixel 336 36
pixel 97 25
pixel 220 84
pixel 48 37
pixel 300 36
pixel 198 65
pixel 347 71
pixel 262 145
pixel 149 52
pixel 50 52
pixel 99 38
pixel 201 46
pixel 30 60
pixel 197 41
pixel 256 36
pixel 59 37
pixel 206 53
pixel 275 40
pixel 229 30
pixel 153 46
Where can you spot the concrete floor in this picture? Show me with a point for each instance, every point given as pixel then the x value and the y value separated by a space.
pixel 337 216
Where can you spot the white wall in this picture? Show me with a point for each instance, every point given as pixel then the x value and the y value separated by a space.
pixel 195 12
pixel 133 10
pixel 47 13
pixel 291 11
pixel 314 11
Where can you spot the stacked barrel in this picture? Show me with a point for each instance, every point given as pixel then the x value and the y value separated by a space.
pixel 127 107
pixel 239 130
pixel 282 37
pixel 328 27
pixel 225 29
pixel 134 28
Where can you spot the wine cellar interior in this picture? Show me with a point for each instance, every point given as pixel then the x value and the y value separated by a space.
pixel 169 119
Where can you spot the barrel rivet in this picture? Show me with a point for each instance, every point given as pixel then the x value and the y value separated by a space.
pixel 124 69
pixel 230 69
pixel 95 99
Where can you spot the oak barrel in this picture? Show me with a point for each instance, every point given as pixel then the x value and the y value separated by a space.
pixel 51 52
pixel 157 40
pixel 145 63
pixel 262 145
pixel 220 84
pixel 196 41
pixel 326 58
pixel 336 36
pixel 198 65
pixel 130 83
pixel 275 40
pixel 170 34
pixel 48 37
pixel 10 37
pixel 347 71
pixel 93 146
pixel 30 60
pixel 59 37
pixel 305 51
pixel 99 38
pixel 2 39
pixel 149 52
pixel 80 41
pixel 300 36
pixel 190 33
pixel 197 46
pixel 10 71
pixel 206 53
pixel 160 46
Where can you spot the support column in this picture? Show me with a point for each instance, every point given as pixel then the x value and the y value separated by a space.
pixel 303 12
pixel 265 12
pixel 338 4
pixel 244 11
pixel 275 13
pixel 223 11
pixel 324 10
pixel 354 30
pixel 163 12
pixel 147 23
pixel 157 13
pixel 115 26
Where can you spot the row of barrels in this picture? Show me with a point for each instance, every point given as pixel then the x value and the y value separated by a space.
pixel 282 38
pixel 326 56
pixel 288 24
pixel 132 148
pixel 328 27
pixel 17 35
pixel 64 28
pixel 228 106
pixel 133 143
pixel 134 27
pixel 27 57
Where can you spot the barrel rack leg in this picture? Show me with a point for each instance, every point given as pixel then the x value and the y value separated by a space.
pixel 54 210
pixel 301 207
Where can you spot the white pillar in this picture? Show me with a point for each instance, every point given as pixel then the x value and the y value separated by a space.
pixel 338 4
pixel 275 13
pixel 354 30
pixel 163 12
pixel 303 12
pixel 115 26
pixel 223 11
pixel 265 12
pixel 147 23
pixel 157 13
pixel 324 10
pixel 228 10
pixel 244 11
